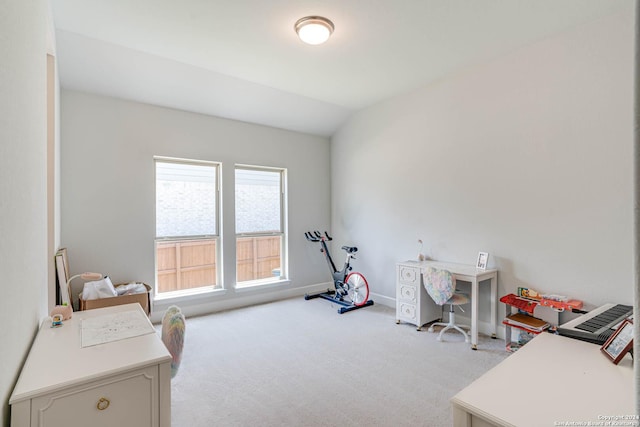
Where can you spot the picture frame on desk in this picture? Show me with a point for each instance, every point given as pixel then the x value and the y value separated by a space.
pixel 481 263
pixel 63 294
pixel 620 343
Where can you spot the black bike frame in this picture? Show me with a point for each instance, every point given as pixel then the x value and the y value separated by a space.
pixel 341 290
pixel 338 275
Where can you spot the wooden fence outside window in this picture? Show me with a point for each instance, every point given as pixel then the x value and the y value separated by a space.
pixel 257 257
pixel 190 264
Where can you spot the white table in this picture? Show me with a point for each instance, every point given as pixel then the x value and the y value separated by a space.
pixel 551 381
pixel 469 273
pixel 119 382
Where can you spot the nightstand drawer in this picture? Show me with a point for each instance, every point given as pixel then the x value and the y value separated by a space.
pixel 407 312
pixel 409 275
pixel 408 293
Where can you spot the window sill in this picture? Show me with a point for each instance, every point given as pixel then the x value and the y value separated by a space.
pixel 201 294
pixel 195 295
pixel 254 286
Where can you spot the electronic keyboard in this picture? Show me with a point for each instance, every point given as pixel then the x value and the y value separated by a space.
pixel 597 325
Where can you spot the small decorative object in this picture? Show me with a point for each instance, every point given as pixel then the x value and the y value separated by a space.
pixel 483 257
pixel 620 342
pixel 420 254
pixel 56 320
pixel 64 310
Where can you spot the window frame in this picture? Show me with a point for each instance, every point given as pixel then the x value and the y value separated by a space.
pixel 219 284
pixel 282 233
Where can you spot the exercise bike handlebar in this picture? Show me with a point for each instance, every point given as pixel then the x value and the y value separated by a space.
pixel 316 236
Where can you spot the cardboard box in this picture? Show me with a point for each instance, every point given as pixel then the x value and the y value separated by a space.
pixel 143 299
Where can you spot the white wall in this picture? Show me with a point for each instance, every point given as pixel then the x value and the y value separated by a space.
pixel 23 200
pixel 108 187
pixel 528 157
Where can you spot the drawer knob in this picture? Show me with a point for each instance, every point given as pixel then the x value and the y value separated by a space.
pixel 103 404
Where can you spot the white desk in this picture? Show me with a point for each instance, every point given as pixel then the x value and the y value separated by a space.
pixel 548 382
pixel 469 273
pixel 122 382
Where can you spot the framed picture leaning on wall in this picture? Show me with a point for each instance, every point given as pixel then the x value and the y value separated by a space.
pixel 620 342
pixel 483 258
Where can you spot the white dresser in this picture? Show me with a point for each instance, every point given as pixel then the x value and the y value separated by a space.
pixel 413 304
pixel 121 382
pixel 551 381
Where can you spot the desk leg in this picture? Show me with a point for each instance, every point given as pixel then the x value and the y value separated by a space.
pixel 461 418
pixel 494 305
pixel 474 314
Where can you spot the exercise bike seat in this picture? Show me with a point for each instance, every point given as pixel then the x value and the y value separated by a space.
pixel 350 249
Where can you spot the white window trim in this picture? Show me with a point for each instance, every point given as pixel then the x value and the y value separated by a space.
pixel 188 294
pixel 283 279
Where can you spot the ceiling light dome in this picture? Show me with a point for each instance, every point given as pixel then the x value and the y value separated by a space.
pixel 314 29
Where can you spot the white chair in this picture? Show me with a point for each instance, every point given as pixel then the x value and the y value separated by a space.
pixel 441 287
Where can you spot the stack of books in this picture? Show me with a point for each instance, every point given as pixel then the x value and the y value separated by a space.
pixel 530 323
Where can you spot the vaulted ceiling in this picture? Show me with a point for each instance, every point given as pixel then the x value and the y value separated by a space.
pixel 241 59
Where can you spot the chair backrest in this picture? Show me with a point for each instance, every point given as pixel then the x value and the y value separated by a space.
pixel 439 284
pixel 173 329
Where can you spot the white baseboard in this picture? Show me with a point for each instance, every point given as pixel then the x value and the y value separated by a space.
pixel 383 300
pixel 211 304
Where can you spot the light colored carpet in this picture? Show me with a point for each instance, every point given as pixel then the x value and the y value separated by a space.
pixel 300 363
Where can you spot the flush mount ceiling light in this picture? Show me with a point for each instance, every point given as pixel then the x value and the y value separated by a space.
pixel 314 29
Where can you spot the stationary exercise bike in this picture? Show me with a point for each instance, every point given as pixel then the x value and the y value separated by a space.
pixel 351 289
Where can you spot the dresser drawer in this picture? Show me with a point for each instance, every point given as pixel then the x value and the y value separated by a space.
pixel 408 293
pixel 407 312
pixel 126 400
pixel 409 275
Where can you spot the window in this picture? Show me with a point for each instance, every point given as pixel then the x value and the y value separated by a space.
pixel 260 225
pixel 187 236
